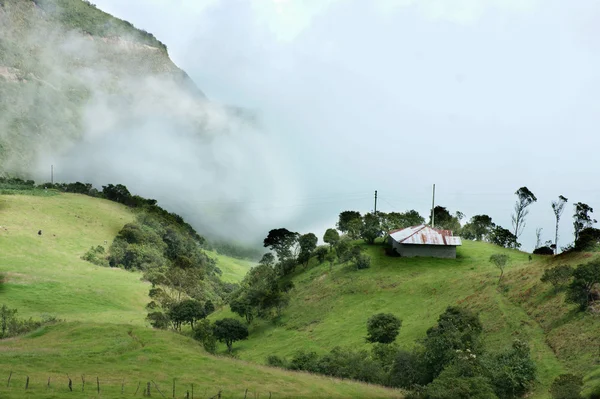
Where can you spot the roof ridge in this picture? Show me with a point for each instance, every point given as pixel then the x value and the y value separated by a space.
pixel 414 232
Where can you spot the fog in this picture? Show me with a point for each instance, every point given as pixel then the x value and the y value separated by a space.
pixel 479 97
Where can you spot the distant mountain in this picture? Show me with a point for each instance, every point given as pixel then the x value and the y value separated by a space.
pixel 69 72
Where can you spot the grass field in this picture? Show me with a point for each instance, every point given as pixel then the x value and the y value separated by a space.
pixel 105 334
pixel 233 269
pixel 330 309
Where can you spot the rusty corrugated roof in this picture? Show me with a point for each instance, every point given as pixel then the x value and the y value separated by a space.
pixel 425 235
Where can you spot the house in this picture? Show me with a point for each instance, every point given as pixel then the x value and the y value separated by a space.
pixel 424 240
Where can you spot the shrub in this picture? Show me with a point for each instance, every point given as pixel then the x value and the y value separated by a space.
pixel 582 289
pixel 383 328
pixel 409 370
pixel 362 262
pixel 512 372
pixel 543 251
pixel 321 253
pixel 97 256
pixel 276 361
pixel 588 239
pixel 566 386
pixel 204 333
pixel 305 361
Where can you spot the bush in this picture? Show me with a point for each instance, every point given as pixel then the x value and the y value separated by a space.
pixel 305 361
pixel 512 372
pixel 276 361
pixel 362 262
pixel 204 333
pixel 409 370
pixel 321 253
pixel 543 251
pixel 566 386
pixel 588 239
pixel 383 328
pixel 97 256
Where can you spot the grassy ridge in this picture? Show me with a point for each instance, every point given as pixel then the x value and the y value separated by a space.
pixel 233 269
pixel 330 309
pixel 130 355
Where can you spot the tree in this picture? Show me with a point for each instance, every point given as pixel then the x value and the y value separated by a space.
pixel 267 259
pixel 371 228
pixel 582 218
pixel 538 237
pixel 582 290
pixel 355 227
pixel 345 220
pixel 383 328
pixel 524 198
pixel 558 208
pixel 478 228
pixel 500 261
pixel 513 371
pixel 504 238
pixel 445 220
pixel 558 276
pixel 204 333
pixel 457 330
pixel 282 242
pixel 242 307
pixel 321 253
pixel 187 311
pixel 331 237
pixel 342 247
pixel 209 307
pixel 308 243
pixel 229 331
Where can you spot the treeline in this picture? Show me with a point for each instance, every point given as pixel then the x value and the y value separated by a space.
pixel 451 361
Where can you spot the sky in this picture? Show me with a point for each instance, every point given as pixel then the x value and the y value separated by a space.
pixel 480 97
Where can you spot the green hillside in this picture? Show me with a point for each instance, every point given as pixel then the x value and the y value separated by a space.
pixel 331 309
pixel 105 334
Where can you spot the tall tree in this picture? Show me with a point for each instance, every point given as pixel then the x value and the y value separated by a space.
pixel 445 220
pixel 345 219
pixel 503 237
pixel 308 244
pixel 331 237
pixel 558 208
pixel 479 227
pixel 371 228
pixel 281 241
pixel 538 237
pixel 500 261
pixel 582 218
pixel 524 198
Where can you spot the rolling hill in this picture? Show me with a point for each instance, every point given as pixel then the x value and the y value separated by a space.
pixel 329 309
pixel 104 334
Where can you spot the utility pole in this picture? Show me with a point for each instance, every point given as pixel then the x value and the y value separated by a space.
pixel 52 174
pixel 375 209
pixel 433 208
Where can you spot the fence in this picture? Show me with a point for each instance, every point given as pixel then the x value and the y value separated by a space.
pixel 67 386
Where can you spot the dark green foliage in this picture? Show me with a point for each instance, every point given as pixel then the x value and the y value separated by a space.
pixel 96 255
pixel 370 228
pixel 158 320
pixel 209 307
pixel 362 261
pixel 345 220
pixel 409 370
pixel 204 333
pixel 276 361
pixel 457 329
pixel 187 311
pixel 321 253
pixel 229 331
pixel 512 372
pixel 503 237
pixel 383 328
pixel 558 276
pixel 243 308
pixel 463 378
pixel 308 244
pixel 342 249
pixel 445 220
pixel 582 219
pixel 478 228
pixel 583 290
pixel 267 259
pixel 566 386
pixel 305 361
pixel 281 241
pixel 331 237
pixel 588 239
pixel 543 251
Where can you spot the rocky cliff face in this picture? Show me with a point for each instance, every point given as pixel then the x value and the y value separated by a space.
pixel 69 71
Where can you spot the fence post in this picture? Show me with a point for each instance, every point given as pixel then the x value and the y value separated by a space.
pixel 122 386
pixel 173 388
pixel 138 388
pixel 148 389
pixel 82 383
pixel 192 391
pixel 27 383
pixel 9 377
pixel 48 386
pixel 246 393
pixel 158 389
pixel 98 384
pixel 70 384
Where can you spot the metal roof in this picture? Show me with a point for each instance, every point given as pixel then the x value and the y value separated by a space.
pixel 425 235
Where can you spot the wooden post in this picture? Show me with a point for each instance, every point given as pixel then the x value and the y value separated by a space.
pixel 48 386
pixel 173 388
pixel 98 384
pixel 148 389
pixel 70 384
pixel 192 391
pixel 9 377
pixel 156 386
pixel 82 383
pixel 122 386
pixel 27 383
pixel 188 395
pixel 246 393
pixel 269 394
pixel 138 388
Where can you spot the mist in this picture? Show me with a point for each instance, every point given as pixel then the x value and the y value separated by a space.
pixel 478 97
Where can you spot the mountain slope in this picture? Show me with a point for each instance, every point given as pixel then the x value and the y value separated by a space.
pixel 105 334
pixel 329 309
